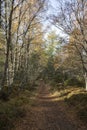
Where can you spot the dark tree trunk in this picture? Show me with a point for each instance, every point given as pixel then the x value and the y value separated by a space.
pixel 6 65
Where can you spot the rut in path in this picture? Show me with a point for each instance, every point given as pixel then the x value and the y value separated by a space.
pixel 46 114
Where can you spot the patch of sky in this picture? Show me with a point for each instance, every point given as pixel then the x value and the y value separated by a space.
pixel 48 26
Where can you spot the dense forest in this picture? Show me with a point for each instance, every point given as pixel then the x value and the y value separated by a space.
pixel 43 55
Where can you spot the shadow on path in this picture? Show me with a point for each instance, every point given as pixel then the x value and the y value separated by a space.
pixel 47 114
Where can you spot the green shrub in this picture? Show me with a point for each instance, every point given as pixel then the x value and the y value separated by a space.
pixel 5 122
pixel 12 110
pixel 79 102
pixel 74 82
pixel 8 114
pixel 76 99
pixel 4 96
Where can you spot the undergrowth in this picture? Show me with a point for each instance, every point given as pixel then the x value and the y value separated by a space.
pixel 75 97
pixel 12 109
pixel 79 103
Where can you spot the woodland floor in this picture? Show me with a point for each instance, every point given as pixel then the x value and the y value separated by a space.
pixel 48 114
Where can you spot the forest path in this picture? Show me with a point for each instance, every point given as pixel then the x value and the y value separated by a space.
pixel 47 114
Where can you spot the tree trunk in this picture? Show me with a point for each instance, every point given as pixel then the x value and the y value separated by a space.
pixel 0 12
pixel 6 67
pixel 86 81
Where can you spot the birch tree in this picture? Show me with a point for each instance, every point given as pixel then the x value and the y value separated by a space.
pixel 19 20
pixel 72 15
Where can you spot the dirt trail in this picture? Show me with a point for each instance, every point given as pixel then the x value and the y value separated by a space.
pixel 47 114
